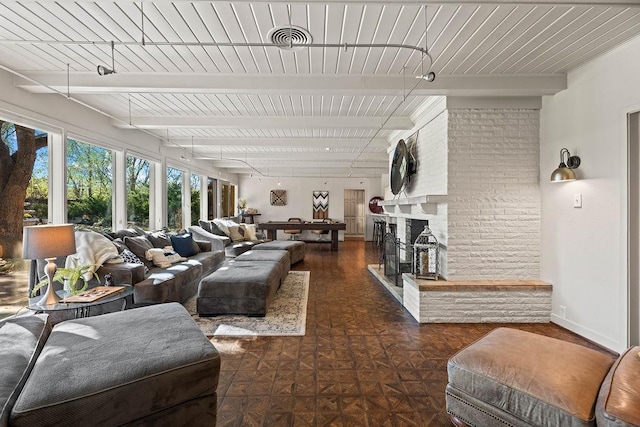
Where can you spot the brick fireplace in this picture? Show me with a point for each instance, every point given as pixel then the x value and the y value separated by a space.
pixel 477 186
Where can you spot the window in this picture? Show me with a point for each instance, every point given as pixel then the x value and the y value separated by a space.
pixel 138 186
pixel 228 198
pixel 196 181
pixel 23 184
pixel 89 185
pixel 174 198
pixel 212 197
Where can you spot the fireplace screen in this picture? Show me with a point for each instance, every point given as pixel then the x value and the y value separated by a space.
pixel 394 266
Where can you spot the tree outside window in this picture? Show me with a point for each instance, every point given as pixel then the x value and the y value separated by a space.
pixel 89 185
pixel 138 186
pixel 24 190
pixel 196 181
pixel 174 198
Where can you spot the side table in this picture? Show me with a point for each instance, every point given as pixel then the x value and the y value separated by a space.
pixel 65 310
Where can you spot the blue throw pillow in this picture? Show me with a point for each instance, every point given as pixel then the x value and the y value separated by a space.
pixel 183 244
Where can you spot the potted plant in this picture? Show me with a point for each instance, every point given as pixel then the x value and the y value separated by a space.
pixel 242 205
pixel 69 277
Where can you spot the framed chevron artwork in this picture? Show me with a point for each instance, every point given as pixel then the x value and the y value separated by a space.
pixel 320 204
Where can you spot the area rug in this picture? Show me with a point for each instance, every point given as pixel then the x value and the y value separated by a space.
pixel 286 316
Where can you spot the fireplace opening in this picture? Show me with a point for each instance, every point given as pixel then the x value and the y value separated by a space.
pixel 397 254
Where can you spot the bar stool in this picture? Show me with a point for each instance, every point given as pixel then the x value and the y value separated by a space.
pixel 293 233
pixel 379 228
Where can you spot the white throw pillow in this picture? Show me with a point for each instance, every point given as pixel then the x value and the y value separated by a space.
pixel 250 231
pixel 163 257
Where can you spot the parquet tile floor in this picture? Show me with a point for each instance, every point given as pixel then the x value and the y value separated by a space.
pixel 364 361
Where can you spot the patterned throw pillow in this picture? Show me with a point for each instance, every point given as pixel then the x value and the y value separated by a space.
pixel 130 257
pixel 164 257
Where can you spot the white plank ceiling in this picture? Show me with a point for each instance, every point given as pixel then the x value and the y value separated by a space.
pixel 185 72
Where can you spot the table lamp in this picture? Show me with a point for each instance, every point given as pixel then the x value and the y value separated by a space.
pixel 48 242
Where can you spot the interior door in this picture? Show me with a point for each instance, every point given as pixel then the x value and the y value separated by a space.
pixel 354 212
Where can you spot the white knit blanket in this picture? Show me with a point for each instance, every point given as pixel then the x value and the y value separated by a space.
pixel 91 249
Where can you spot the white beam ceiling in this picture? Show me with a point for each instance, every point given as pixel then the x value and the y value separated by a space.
pixel 397 85
pixel 252 122
pixel 197 84
pixel 241 144
pixel 481 2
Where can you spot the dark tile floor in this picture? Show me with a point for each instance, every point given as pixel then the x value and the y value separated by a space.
pixel 364 361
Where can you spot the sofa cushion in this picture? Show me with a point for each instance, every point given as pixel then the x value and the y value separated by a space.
pixel 118 368
pixel 236 234
pixel 222 225
pixel 619 399
pixel 172 284
pixel 183 244
pixel 127 232
pixel 21 340
pixel 139 246
pixel 205 225
pixel 158 239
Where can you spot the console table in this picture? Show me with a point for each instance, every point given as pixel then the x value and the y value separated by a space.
pixel 248 218
pixel 272 228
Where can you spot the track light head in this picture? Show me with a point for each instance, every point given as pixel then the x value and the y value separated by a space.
pixel 104 71
pixel 430 76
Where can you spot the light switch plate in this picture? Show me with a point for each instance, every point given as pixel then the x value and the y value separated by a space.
pixel 577 200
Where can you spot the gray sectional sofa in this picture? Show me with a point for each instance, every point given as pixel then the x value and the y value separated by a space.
pixel 222 242
pixel 146 366
pixel 153 284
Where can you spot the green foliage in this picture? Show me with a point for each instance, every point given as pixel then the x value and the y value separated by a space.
pixel 174 198
pixel 72 274
pixel 138 191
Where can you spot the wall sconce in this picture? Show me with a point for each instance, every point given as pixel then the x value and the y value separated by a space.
pixel 565 172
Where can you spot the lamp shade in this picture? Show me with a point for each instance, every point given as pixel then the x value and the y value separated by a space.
pixel 563 173
pixel 48 241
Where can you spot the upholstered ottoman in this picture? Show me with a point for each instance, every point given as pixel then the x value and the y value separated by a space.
pixel 239 289
pixel 278 257
pixel 516 378
pixel 146 366
pixel 296 249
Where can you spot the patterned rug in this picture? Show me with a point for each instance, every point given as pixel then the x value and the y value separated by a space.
pixel 287 314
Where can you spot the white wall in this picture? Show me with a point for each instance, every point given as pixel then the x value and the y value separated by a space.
pixel 584 250
pixel 300 197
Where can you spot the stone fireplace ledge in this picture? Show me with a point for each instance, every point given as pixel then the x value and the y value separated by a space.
pixel 481 301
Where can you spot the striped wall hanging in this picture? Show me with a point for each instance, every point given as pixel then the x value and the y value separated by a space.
pixel 320 204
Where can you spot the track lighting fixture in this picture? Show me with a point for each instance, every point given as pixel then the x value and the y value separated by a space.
pixel 104 71
pixel 430 76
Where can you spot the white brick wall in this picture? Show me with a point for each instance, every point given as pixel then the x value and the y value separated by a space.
pixel 493 194
pixel 481 306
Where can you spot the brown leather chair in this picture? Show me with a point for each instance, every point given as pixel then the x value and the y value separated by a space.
pixel 294 233
pixel 516 378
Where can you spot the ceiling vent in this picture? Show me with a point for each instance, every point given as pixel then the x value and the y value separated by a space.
pixel 290 37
